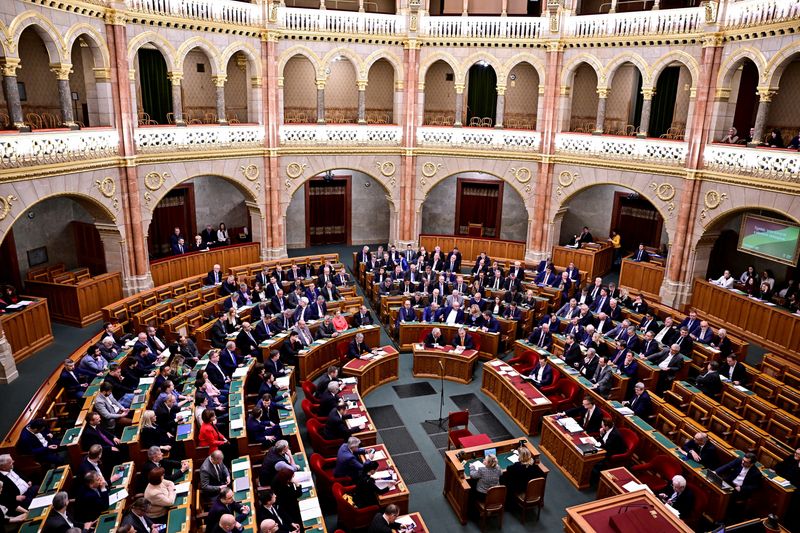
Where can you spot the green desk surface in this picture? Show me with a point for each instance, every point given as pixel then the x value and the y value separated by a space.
pixel 106 523
pixel 312 525
pixel 664 441
pixel 585 382
pixel 300 460
pixel 688 386
pixel 52 479
pixel 236 387
pixel 32 526
pixel 176 518
pixel 125 470
pixel 36 513
pixel 694 465
pixel 642 424
pixel 502 461
pixel 130 434
pixel 71 435
pixel 235 398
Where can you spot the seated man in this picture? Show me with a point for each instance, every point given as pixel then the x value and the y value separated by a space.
pixel 588 415
pixel 641 255
pixel 434 339
pixel 670 361
pixel 357 348
pixel 541 337
pixel 405 314
pixel 463 340
pixel 701 450
pixel 73 387
pixel 640 403
pixel 490 323
pixel 541 375
pixel 677 496
pixel 709 382
pixel 745 477
pixel 348 463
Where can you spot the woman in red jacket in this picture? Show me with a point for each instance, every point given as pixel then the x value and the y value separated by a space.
pixel 210 436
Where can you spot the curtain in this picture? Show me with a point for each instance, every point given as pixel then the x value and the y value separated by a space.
pixel 482 96
pixel 637 105
pixel 156 87
pixel 663 106
pixel 479 205
pixel 744 117
pixel 326 212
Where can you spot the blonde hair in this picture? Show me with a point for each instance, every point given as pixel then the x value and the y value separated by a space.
pixel 490 461
pixel 149 419
pixel 525 456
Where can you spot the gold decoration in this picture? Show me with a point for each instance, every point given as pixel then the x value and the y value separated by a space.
pixel 713 199
pixel 665 191
pixel 386 168
pixel 155 180
pixel 147 197
pixel 295 170
pixel 107 187
pixel 522 174
pixel 250 172
pixel 567 178
pixel 5 205
pixel 429 169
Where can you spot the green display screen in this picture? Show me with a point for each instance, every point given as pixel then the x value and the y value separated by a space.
pixel 769 238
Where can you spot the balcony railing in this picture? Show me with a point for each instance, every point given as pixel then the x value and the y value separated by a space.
pixel 770 163
pixel 636 23
pixel 226 11
pixel 173 139
pixel 657 151
pixel 340 134
pixel 42 148
pixel 747 13
pixel 478 138
pixel 313 20
pixel 483 27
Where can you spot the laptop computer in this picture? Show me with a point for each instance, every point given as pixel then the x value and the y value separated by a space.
pixel 715 479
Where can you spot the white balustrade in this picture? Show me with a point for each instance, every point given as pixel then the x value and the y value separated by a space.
pixel 747 13
pixel 659 151
pixel 340 134
pixel 173 138
pixel 635 23
pixel 313 20
pixel 226 11
pixel 28 149
pixel 482 27
pixel 479 138
pixel 771 163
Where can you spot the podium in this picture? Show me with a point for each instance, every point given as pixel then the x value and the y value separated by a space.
pixel 626 513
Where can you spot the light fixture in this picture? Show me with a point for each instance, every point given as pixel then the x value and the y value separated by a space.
pixel 483 63
pixel 513 77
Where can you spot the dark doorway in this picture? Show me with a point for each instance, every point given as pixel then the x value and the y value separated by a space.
pixel 663 106
pixel 9 274
pixel 156 87
pixel 479 203
pixel 636 220
pixel 636 121
pixel 482 97
pixel 744 117
pixel 175 210
pixel 89 247
pixel 328 211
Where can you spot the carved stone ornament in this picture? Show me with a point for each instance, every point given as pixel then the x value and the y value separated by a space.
pixel 5 205
pixel 522 174
pixel 567 178
pixel 250 172
pixel 429 169
pixel 295 170
pixel 665 191
pixel 713 199
pixel 386 168
pixel 155 180
pixel 107 187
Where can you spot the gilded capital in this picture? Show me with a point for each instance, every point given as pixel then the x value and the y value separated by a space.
pixel 564 90
pixel 722 93
pixel 602 92
pixel 132 74
pixel 61 70
pixel 459 87
pixel 648 92
pixel 321 85
pixel 175 77
pixel 10 66
pixel 765 94
pixel 501 90
pixel 399 85
pixel 219 81
pixel 116 18
pixel 362 85
pixel 102 74
pixel 256 81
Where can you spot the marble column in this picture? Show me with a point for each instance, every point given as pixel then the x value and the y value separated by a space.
pixel 362 101
pixel 459 105
pixel 219 83
pixel 465 8
pixel 501 107
pixel 764 99
pixel 602 100
pixel 11 93
pixel 613 8
pixel 177 100
pixel 320 101
pixel 8 367
pixel 644 122
pixel 62 71
pixel 504 8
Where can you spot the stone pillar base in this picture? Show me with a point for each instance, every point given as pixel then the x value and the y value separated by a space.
pixel 276 253
pixel 73 126
pixel 8 367
pixel 532 257
pixel 597 132
pixel 401 245
pixel 133 284
pixel 180 123
pixel 675 294
pixel 641 135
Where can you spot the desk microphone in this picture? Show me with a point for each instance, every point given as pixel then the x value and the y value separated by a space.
pixel 634 506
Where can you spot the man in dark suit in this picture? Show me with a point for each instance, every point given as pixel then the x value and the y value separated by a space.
pixel 542 337
pixel 329 399
pixel 490 323
pixel 246 341
pixel 405 314
pixel 363 317
pixel 744 475
pixel 541 375
pixel 690 322
pixel 648 346
pixel 733 370
pixel 434 339
pixel 215 276
pixel 93 433
pixel 37 440
pixel 667 333
pixel 601 303
pixel 611 439
pixel 649 323
pixel 264 329
pixel 572 351
pixel 156 344
pixel 92 498
pixel 216 375
pixel 228 360
pixel 137 517
pixel 684 342
pixel 462 339
pixel 224 504
pixel 214 475
pixel 641 255
pixel 640 403
pixel 588 415
pixel 68 380
pixel 357 347
pixel 601 379
pixel 61 521
pixel 385 522
pixel 670 361
pixel 709 382
pixel 174 470
pixel 335 425
pixel 679 497
pixel 701 450
pixel 702 333
pixel 279 303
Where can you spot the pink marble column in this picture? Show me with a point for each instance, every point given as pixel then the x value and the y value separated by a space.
pixel 275 233
pixel 408 163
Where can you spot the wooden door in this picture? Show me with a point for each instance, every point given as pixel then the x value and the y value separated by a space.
pixel 175 210
pixel 479 202
pixel 89 247
pixel 328 211
pixel 9 274
pixel 636 220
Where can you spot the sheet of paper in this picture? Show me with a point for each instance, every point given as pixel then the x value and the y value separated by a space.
pixel 404 520
pixel 624 411
pixel 240 372
pixel 241 465
pixel 237 424
pixel 356 421
pixel 240 484
pixel 282 382
pixel 146 381
pixel 540 401
pixel 349 381
pixel 378 455
pixel 182 488
pixel 117 496
pixel 632 486
pixel 41 501
pixel 310 509
pixel 301 476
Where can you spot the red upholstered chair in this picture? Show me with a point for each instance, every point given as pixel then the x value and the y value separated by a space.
pixel 631 442
pixel 351 518
pixel 321 445
pixel 658 472
pixel 322 468
pixel 342 349
pixel 310 410
pixel 700 504
pixel 564 395
pixel 525 361
pixel 477 342
pixel 457 428
pixel 550 388
pixel 309 389
pixel 424 333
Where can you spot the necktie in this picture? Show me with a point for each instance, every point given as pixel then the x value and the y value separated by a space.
pixel 639 256
pixel 180 247
pixel 216 469
pixel 541 339
pixel 103 437
pixel 586 419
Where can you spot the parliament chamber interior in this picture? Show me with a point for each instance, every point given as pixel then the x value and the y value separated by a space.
pixel 356 266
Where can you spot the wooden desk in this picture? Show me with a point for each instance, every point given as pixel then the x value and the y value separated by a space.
pixel 595 262
pixel 519 398
pixel 356 407
pixel 374 372
pixel 416 520
pixel 613 480
pixel 182 266
pixel 399 495
pixel 456 471
pixel 595 516
pixel 471 247
pixel 561 447
pixel 458 366
pixel 29 329
pixel 767 325
pixel 241 468
pixel 487 343
pixel 641 277
pixel 78 304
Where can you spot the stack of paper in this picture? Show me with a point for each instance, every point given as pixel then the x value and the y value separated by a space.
pixel 570 425
pixel 240 484
pixel 625 411
pixel 349 381
pixel 240 372
pixel 240 466
pixel 405 521
pixel 182 488
pixel 114 497
pixel 356 421
pixel 282 382
pixel 237 423
pixel 378 455
pixel 310 509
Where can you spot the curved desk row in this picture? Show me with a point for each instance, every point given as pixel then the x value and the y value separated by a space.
pixel 486 343
pixel 380 369
pixel 444 362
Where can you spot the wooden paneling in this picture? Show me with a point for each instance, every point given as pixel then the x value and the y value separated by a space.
pixel 595 262
pixel 29 330
pixel 79 304
pixel 471 247
pixel 768 325
pixel 642 277
pixel 193 264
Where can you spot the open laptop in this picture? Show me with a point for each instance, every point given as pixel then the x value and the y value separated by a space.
pixel 715 479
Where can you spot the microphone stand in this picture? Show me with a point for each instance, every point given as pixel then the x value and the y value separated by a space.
pixel 440 422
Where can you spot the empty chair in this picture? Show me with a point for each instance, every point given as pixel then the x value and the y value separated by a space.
pixel 493 505
pixel 657 472
pixel 459 420
pixel 533 497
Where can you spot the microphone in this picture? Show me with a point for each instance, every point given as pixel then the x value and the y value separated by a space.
pixel 441 365
pixel 634 506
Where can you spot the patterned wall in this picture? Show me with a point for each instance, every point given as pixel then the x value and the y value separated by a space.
pixel 380 90
pixel 199 92
pixel 681 112
pixel 299 85
pixel 622 97
pixel 584 94
pixel 440 95
pixel 236 89
pixel 784 112
pixel 341 91
pixel 40 83
pixel 522 95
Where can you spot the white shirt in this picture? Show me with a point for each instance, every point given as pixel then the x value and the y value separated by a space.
pixel 539 374
pixel 21 484
pixel 738 480
pixel 41 438
pixel 664 365
pixel 725 283
pixel 451 318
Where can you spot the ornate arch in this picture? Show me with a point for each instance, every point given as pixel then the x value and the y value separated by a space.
pixel 626 57
pixel 778 63
pixel 676 56
pixel 568 71
pixel 149 37
pixel 528 58
pixel 376 56
pixel 433 58
pixel 475 58
pixel 55 45
pixel 733 61
pixel 206 46
pixel 247 50
pixel 355 61
pixel 302 51
pixel 97 43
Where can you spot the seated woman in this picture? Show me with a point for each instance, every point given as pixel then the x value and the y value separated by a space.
pixel 517 475
pixel 160 493
pixel 340 322
pixel 486 476
pixel 259 294
pixel 216 397
pixel 211 436
pixel 153 435
pixel 367 491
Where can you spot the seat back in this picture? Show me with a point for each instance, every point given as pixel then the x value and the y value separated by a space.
pixel 495 499
pixel 534 492
pixel 458 419
pixel 309 390
pixel 631 442
pixel 342 349
pixel 307 407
